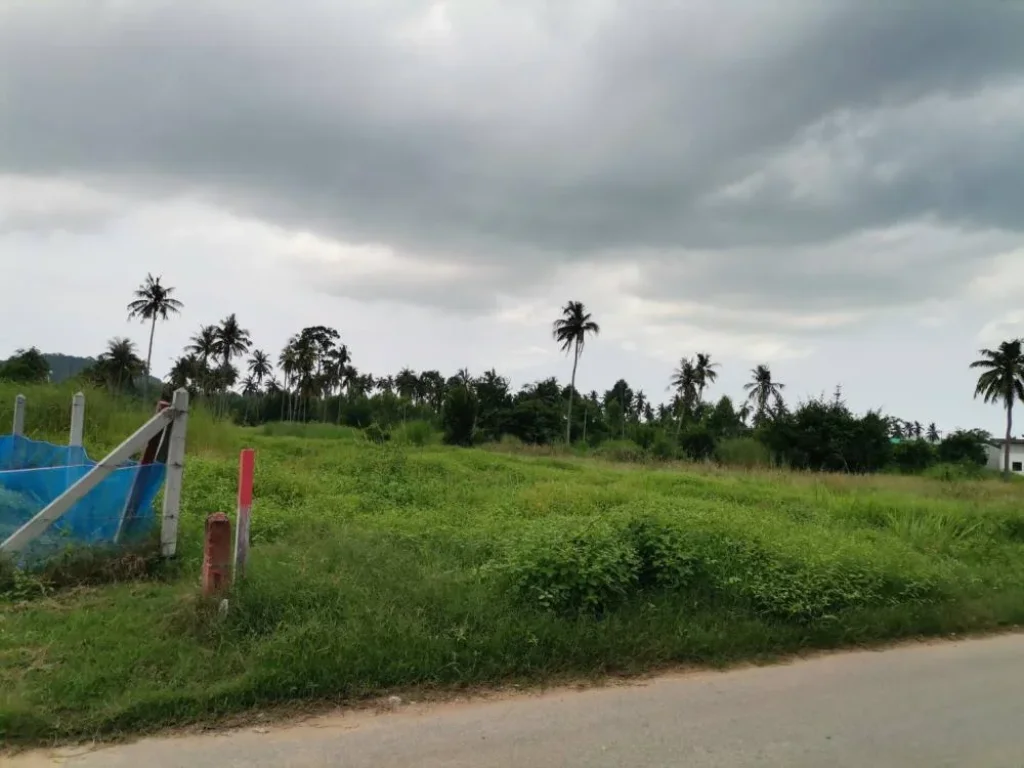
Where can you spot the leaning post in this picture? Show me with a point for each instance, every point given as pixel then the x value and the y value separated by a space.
pixel 175 473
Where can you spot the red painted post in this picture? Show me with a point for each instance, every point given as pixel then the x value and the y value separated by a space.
pixel 217 554
pixel 246 467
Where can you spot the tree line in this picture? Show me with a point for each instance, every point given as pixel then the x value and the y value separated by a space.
pixel 313 378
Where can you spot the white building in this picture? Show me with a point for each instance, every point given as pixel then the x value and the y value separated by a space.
pixel 995 455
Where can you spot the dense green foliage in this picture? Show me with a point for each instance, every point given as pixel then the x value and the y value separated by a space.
pixel 26 366
pixel 320 384
pixel 379 565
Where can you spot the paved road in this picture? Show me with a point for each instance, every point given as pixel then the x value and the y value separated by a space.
pixel 945 704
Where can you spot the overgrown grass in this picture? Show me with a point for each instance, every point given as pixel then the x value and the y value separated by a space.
pixel 109 419
pixel 384 566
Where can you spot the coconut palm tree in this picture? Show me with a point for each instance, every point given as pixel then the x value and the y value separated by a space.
pixel 762 390
pixel 407 383
pixel 259 366
pixel 570 330
pixel 119 365
pixel 288 361
pixel 705 372
pixel 933 433
pixel 152 302
pixel 685 383
pixel 232 339
pixel 187 372
pixel 1002 381
pixel 203 345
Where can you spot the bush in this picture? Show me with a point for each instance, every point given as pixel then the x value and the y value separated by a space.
pixel 665 560
pixel 913 456
pixel 375 433
pixel 697 443
pixel 418 433
pixel 963 446
pixel 746 452
pixel 586 570
pixel 663 448
pixel 621 450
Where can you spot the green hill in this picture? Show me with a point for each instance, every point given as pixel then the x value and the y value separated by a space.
pixel 64 367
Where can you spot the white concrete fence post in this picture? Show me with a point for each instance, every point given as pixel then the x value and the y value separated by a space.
pixel 77 420
pixel 19 415
pixel 175 473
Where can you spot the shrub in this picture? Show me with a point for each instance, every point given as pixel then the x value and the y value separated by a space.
pixel 746 452
pixel 375 433
pixel 663 448
pixel 963 446
pixel 697 443
pixel 585 570
pixel 665 559
pixel 914 456
pixel 418 433
pixel 621 450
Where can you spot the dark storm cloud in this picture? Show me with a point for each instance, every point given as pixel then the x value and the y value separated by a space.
pixel 673 133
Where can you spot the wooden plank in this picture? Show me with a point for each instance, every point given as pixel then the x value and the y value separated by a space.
pixel 35 527
pixel 175 473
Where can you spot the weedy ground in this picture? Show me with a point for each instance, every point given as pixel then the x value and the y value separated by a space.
pixel 381 567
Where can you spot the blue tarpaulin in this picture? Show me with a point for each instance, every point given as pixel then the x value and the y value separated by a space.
pixel 34 473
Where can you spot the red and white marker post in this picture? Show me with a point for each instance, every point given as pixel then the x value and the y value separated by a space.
pixel 246 466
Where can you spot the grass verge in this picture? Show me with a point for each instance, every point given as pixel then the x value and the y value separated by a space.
pixel 387 567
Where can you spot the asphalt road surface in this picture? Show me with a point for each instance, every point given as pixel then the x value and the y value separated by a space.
pixel 940 704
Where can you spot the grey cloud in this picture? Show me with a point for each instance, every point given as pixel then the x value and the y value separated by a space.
pixel 601 131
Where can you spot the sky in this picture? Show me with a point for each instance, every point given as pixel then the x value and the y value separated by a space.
pixel 835 189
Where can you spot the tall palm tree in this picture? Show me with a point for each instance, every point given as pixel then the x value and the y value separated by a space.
pixel 259 366
pixel 705 372
pixel 933 434
pixel 187 372
pixel 232 339
pixel 685 382
pixel 152 302
pixel 119 364
pixel 1002 381
pixel 289 362
pixel 762 390
pixel 407 383
pixel 570 330
pixel 204 343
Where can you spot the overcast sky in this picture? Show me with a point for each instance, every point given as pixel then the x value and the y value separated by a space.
pixel 835 188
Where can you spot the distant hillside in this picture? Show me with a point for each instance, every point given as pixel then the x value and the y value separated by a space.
pixel 64 367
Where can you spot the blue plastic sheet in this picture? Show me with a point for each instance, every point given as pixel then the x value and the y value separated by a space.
pixel 34 473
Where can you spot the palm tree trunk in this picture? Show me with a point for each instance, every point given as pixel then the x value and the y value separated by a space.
pixel 1006 445
pixel 572 391
pixel 149 359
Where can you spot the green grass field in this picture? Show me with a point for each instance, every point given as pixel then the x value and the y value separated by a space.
pixel 379 568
